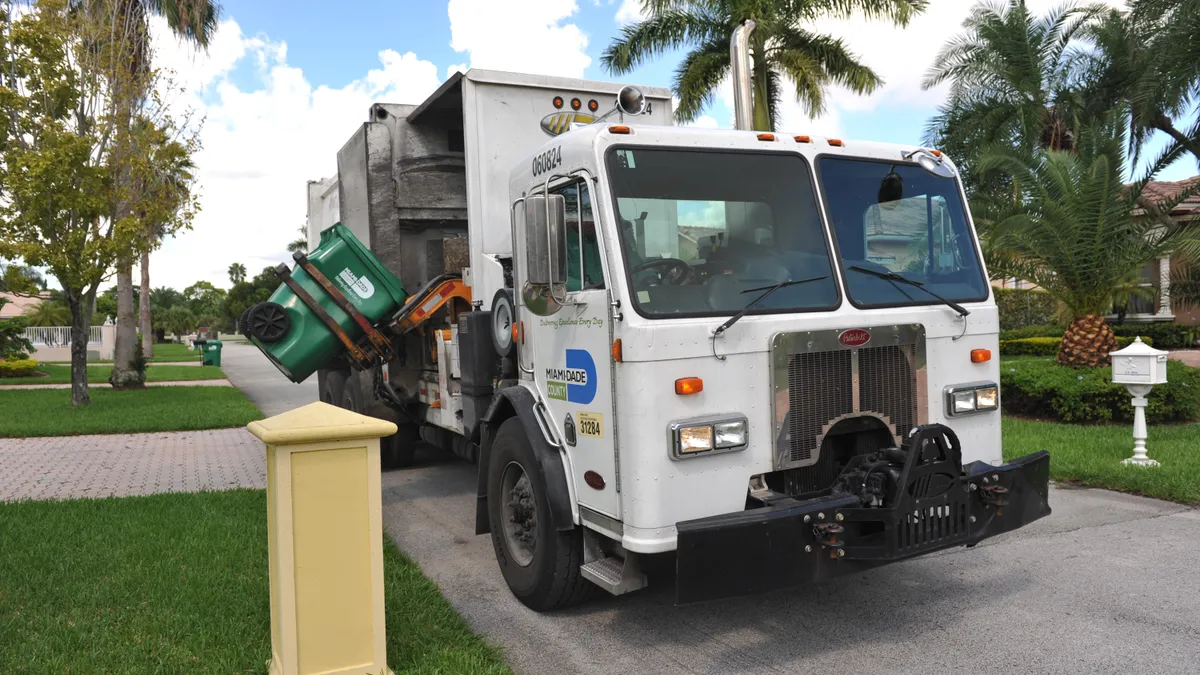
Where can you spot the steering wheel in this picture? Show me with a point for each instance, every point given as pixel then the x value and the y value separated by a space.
pixel 672 270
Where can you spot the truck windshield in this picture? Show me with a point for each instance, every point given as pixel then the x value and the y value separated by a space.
pixel 699 228
pixel 900 219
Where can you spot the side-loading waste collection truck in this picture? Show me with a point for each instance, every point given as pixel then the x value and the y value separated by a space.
pixel 771 356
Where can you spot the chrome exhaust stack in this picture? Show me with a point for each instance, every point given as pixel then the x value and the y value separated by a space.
pixel 739 56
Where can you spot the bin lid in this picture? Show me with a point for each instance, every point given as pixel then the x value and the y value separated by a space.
pixel 214 342
pixel 390 283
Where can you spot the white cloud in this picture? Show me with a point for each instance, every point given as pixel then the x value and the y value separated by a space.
pixel 526 36
pixel 630 11
pixel 455 68
pixel 262 144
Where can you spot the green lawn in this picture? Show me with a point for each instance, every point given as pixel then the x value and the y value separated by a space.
pixel 56 373
pixel 168 352
pixel 48 412
pixel 1091 455
pixel 178 584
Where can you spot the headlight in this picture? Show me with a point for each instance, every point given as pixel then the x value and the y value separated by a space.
pixel 973 397
pixel 695 439
pixel 707 435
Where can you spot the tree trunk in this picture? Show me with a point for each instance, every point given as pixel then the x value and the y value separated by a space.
pixel 124 372
pixel 81 319
pixel 1087 342
pixel 144 307
pixel 762 94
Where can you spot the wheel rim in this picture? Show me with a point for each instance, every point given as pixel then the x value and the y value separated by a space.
pixel 520 514
pixel 269 322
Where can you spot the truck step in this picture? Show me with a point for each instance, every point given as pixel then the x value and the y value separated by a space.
pixel 615 575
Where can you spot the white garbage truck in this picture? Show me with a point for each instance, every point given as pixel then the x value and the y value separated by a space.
pixel 769 357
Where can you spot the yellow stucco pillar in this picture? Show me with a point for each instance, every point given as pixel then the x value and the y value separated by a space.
pixel 325 534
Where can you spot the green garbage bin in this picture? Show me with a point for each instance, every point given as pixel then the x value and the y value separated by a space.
pixel 292 336
pixel 212 353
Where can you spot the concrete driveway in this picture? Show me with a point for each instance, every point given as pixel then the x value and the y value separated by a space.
pixel 1107 584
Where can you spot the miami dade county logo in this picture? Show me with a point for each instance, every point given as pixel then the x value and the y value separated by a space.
pixel 575 383
pixel 361 286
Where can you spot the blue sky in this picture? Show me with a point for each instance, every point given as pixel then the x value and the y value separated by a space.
pixel 285 83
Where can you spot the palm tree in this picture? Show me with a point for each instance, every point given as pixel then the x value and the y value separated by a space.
pixel 296 245
pixel 1071 230
pixel 782 48
pixel 174 175
pixel 48 313
pixel 237 273
pixel 1012 79
pixel 194 21
pixel 1147 61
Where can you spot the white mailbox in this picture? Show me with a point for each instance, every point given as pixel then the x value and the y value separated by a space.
pixel 1139 363
pixel 1139 367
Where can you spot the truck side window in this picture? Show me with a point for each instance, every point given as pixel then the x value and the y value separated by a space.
pixel 583 250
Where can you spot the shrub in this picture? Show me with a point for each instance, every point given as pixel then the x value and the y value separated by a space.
pixel 1048 346
pixel 1022 307
pixel 1040 330
pixel 18 368
pixel 1166 335
pixel 1042 388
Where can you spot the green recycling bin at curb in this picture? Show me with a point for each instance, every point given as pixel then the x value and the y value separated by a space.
pixel 212 353
pixel 292 336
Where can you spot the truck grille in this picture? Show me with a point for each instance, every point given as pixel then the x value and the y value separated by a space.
pixel 818 381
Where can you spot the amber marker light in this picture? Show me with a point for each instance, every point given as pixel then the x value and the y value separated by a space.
pixel 689 385
pixel 981 355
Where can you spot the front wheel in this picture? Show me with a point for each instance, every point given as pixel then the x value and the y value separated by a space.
pixel 539 563
pixel 397 450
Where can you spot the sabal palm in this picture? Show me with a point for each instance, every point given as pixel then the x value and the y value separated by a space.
pixel 1012 79
pixel 1071 230
pixel 782 48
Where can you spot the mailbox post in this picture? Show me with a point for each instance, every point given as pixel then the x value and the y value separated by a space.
pixel 1139 367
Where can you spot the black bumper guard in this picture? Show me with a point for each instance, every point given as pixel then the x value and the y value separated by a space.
pixel 942 504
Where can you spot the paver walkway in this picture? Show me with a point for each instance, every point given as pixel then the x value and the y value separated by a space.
pixel 105 385
pixel 70 467
pixel 1189 357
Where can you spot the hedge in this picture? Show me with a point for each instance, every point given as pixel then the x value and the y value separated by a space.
pixel 1165 335
pixel 1048 346
pixel 1044 389
pixel 1022 307
pixel 21 368
pixel 1041 330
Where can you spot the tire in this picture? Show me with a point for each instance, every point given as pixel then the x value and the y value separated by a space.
pixel 545 575
pixel 333 386
pixel 397 451
pixel 351 399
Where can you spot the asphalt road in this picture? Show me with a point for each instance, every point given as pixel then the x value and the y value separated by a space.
pixel 1107 584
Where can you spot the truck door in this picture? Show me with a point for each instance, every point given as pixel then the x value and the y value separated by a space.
pixel 572 358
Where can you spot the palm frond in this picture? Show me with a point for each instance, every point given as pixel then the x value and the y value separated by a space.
pixel 663 31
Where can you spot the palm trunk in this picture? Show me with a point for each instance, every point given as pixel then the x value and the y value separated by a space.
pixel 762 94
pixel 124 372
pixel 1165 125
pixel 1088 341
pixel 81 319
pixel 144 307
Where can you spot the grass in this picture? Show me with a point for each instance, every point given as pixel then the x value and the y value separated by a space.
pixel 178 584
pixel 167 351
pixel 61 374
pixel 48 412
pixel 1091 455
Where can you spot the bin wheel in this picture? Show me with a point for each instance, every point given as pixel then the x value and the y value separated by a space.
pixel 242 327
pixel 268 321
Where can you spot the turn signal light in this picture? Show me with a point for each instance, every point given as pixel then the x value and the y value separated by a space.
pixel 689 385
pixel 617 356
pixel 981 355
pixel 766 137
pixel 618 129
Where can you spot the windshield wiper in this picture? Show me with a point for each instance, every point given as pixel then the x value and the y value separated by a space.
pixel 892 276
pixel 769 290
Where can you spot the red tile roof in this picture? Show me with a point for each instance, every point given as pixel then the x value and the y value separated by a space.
pixel 1159 191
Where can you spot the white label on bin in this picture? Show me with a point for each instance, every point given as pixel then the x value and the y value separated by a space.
pixel 361 286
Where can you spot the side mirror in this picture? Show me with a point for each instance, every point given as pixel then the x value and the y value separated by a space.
pixel 545 254
pixel 631 101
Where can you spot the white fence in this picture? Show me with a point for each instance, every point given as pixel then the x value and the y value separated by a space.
pixel 58 336
pixel 53 343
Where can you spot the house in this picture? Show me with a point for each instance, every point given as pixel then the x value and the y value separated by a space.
pixel 19 304
pixel 1156 276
